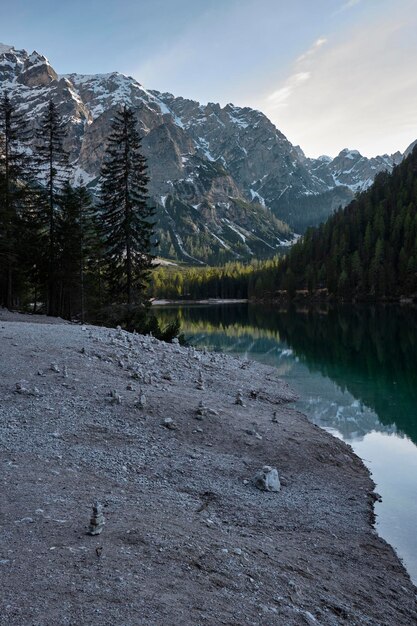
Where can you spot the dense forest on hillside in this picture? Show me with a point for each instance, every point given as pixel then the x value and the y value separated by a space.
pixel 231 281
pixel 368 249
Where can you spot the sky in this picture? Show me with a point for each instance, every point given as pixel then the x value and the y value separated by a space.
pixel 330 74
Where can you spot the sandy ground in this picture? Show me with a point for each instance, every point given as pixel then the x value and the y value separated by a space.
pixel 188 538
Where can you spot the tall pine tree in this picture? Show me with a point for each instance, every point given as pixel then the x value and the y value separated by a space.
pixel 15 179
pixel 53 167
pixel 125 213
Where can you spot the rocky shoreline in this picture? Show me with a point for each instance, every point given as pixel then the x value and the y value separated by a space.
pixel 170 442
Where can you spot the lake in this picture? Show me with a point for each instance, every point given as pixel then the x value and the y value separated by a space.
pixel 355 370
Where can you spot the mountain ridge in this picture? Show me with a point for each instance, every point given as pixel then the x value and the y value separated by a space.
pixel 226 182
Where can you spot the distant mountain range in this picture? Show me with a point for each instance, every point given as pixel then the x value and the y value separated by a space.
pixel 226 182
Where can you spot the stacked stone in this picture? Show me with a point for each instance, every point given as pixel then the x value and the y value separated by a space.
pixel 239 399
pixel 200 381
pixel 97 520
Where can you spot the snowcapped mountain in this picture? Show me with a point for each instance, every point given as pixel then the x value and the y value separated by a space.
pixel 227 184
pixel 351 169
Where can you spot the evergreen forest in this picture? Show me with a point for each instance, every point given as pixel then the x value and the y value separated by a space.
pixel 367 250
pixel 64 252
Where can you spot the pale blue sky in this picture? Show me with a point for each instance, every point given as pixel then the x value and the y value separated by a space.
pixel 329 73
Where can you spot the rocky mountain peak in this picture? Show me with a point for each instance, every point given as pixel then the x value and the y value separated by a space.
pixel 31 70
pixel 37 71
pixel 226 182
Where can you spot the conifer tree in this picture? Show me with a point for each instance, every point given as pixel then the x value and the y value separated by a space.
pixel 125 213
pixel 76 245
pixel 53 167
pixel 15 175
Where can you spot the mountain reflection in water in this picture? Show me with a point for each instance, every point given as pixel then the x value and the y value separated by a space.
pixel 371 352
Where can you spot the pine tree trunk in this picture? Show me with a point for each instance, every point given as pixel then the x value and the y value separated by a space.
pixel 51 291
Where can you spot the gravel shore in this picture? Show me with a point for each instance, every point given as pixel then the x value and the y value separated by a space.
pixel 153 432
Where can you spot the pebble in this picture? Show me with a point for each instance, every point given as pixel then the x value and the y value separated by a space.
pixel 169 423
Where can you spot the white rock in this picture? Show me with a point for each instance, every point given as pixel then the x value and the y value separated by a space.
pixel 169 423
pixel 267 479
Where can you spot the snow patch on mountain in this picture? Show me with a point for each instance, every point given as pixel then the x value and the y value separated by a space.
pixel 256 196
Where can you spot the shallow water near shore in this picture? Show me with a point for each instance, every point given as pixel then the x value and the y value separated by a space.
pixel 355 370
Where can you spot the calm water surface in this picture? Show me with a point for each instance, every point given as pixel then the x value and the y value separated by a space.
pixel 355 369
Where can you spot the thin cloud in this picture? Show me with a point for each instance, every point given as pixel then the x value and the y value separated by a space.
pixel 279 97
pixel 313 49
pixel 361 90
pixel 348 5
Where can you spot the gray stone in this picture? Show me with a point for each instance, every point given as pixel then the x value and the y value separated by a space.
pixel 267 479
pixel 201 411
pixel 239 399
pixel 169 423
pixel 114 397
pixel 141 401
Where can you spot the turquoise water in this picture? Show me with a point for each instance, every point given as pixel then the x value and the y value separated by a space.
pixel 355 370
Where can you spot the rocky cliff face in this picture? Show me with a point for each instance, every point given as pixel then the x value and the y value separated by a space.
pixel 227 184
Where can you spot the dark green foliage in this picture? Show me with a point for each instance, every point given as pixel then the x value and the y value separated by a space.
pixel 55 255
pixel 139 319
pixel 125 213
pixel 367 250
pixel 77 244
pixel 230 281
pixel 53 171
pixel 15 199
